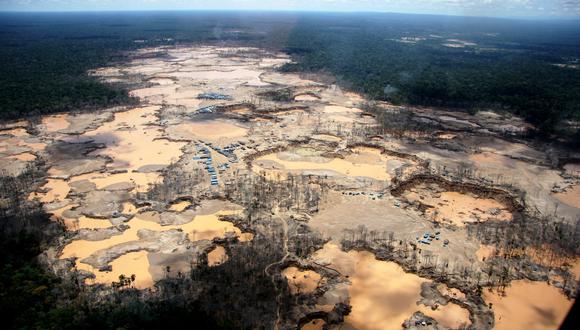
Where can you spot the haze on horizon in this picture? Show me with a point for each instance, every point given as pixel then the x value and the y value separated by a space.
pixel 543 9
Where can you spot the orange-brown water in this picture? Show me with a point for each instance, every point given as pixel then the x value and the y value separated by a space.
pixel 375 170
pixel 301 281
pixel 528 306
pixel 55 123
pixel 211 129
pixel 316 324
pixel 382 294
pixel 217 256
pixel 201 227
pixel 570 197
pixel 57 189
pixel 179 206
pixel 458 208
pixel 132 263
pixel 132 142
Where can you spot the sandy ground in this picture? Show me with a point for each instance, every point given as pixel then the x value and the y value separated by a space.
pixel 340 212
pixel 484 252
pixel 327 137
pixel 132 143
pixel 17 149
pixel 141 181
pixel 572 169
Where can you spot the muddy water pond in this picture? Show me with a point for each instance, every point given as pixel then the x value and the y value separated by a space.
pixel 56 190
pixel 132 263
pixel 570 197
pixel 457 208
pixel 201 227
pixel 528 305
pixel 217 256
pixel 207 129
pixel 55 123
pixel 132 140
pixel 85 222
pixel 25 157
pixel 356 166
pixel 141 181
pixel 316 324
pixel 301 281
pixel 179 206
pixel 381 293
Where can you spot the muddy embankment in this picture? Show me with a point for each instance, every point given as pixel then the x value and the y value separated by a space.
pixel 510 200
pixel 328 279
pixel 334 317
pixel 420 162
pixel 254 112
pixel 291 144
pixel 230 110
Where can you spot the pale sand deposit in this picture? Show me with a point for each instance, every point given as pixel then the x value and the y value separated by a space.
pixel 25 157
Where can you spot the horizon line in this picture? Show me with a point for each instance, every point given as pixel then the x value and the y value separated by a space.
pixel 282 10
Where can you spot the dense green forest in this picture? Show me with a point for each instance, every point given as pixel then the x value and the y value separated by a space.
pixel 526 67
pixel 448 61
pixel 45 57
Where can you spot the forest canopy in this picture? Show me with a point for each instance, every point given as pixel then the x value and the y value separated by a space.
pixel 530 68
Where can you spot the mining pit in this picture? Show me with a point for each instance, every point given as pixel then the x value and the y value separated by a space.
pixel 155 187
